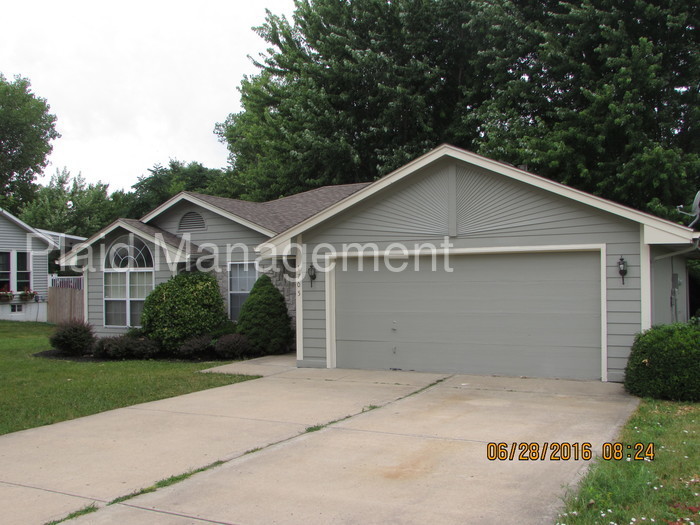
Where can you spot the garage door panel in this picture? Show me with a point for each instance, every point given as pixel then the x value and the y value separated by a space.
pixel 515 314
pixel 488 359
pixel 461 328
pixel 485 296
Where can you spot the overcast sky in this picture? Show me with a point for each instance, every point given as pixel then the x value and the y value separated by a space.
pixel 134 83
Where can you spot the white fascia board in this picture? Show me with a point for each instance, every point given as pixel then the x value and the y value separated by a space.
pixel 268 250
pixel 70 258
pixel 496 167
pixel 28 228
pixel 207 206
pixel 654 235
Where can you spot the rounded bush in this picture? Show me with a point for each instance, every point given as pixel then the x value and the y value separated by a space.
pixel 264 319
pixel 665 363
pixel 187 305
pixel 74 338
pixel 233 346
pixel 197 347
pixel 127 347
pixel 228 327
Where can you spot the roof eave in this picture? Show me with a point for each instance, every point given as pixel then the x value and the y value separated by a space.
pixel 19 222
pixel 446 150
pixel 211 207
pixel 175 255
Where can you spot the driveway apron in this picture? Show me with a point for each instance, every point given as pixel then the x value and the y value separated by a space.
pixel 398 458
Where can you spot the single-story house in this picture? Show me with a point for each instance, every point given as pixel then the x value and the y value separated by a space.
pixel 24 266
pixel 452 263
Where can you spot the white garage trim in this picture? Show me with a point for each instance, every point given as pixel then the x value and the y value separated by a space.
pixel 645 277
pixel 299 299
pixel 330 285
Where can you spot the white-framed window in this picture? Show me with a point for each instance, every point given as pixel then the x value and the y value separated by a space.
pixel 241 278
pixel 15 271
pixel 128 279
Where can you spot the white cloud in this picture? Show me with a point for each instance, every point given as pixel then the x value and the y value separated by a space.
pixel 134 83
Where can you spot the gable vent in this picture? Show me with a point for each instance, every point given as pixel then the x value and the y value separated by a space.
pixel 192 221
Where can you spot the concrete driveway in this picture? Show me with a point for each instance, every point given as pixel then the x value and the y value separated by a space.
pixel 413 459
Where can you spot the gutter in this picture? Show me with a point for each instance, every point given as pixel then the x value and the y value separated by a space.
pixel 696 246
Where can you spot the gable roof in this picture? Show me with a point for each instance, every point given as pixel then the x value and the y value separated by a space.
pixel 24 226
pixel 656 230
pixel 173 244
pixel 269 218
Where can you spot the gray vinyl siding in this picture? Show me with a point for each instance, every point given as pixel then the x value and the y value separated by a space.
pixel 232 242
pixel 95 284
pixel 485 210
pixel 219 234
pixel 12 237
pixel 664 311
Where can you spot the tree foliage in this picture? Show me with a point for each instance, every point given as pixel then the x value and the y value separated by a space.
pixel 26 131
pixel 69 205
pixel 601 95
pixel 164 182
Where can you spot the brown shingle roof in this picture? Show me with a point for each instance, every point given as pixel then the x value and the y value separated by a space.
pixel 168 238
pixel 281 214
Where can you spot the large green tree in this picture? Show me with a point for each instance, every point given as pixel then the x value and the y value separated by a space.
pixel 69 205
pixel 26 131
pixel 606 100
pixel 600 94
pixel 164 182
pixel 349 91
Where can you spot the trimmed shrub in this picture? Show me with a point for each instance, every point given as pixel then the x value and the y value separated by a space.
pixel 264 319
pixel 189 304
pixel 665 363
pixel 227 327
pixel 126 347
pixel 233 346
pixel 197 347
pixel 74 338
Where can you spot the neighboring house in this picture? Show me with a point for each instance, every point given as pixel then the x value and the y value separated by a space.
pixel 453 263
pixel 24 261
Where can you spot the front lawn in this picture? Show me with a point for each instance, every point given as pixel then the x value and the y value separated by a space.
pixel 665 490
pixel 37 391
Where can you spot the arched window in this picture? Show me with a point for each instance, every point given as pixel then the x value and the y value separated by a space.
pixel 128 279
pixel 128 251
pixel 192 221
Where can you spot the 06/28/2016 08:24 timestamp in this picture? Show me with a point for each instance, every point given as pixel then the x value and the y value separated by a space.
pixel 566 451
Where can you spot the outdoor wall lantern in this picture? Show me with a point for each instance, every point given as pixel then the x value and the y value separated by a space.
pixel 312 274
pixel 622 268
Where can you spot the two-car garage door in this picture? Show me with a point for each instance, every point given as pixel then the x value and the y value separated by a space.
pixel 523 314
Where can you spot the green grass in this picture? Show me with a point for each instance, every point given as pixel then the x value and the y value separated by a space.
pixel 82 512
pixel 36 391
pixel 665 490
pixel 172 480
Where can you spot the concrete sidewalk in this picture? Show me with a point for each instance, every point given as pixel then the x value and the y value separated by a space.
pixel 50 471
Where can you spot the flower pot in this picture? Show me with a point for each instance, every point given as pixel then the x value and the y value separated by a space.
pixel 26 296
pixel 5 298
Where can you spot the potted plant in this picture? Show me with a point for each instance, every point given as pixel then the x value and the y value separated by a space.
pixel 6 296
pixel 27 295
